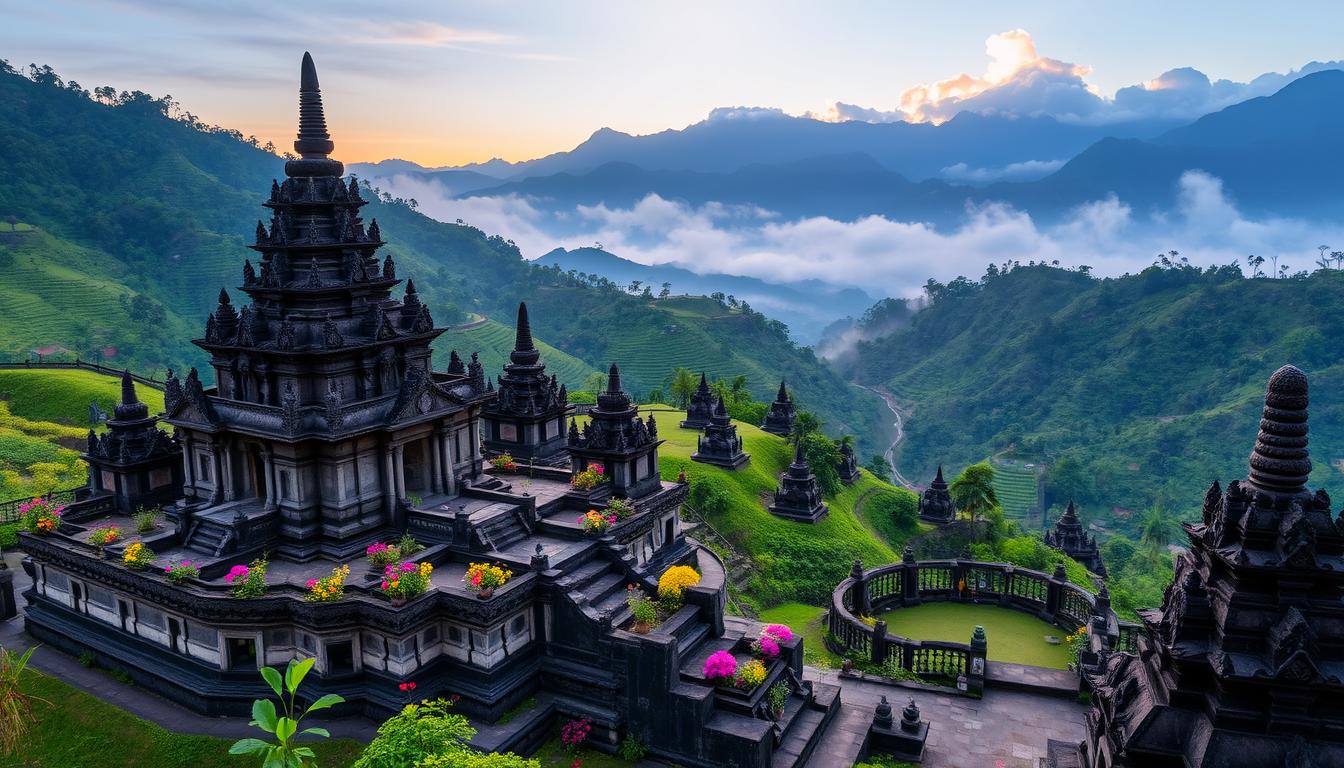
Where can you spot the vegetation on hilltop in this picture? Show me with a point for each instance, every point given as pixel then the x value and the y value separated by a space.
pixel 1136 389
pixel 135 214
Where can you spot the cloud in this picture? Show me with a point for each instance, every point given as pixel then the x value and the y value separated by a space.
pixel 883 256
pixel 1019 81
pixel 1024 171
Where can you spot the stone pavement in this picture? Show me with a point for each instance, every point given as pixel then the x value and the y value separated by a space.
pixel 1005 729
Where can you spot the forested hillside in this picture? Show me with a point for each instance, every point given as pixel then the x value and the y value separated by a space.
pixel 121 216
pixel 1137 391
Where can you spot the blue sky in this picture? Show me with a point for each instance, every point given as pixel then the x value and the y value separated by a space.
pixel 454 82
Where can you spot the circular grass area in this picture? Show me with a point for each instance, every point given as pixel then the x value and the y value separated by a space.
pixel 1013 636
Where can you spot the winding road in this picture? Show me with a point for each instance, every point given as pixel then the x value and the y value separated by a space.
pixel 899 424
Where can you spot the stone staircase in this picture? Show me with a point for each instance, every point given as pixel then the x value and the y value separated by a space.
pixel 208 537
pixel 598 586
pixel 501 529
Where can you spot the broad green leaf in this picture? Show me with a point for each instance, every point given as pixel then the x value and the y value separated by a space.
pixel 305 752
pixel 318 732
pixel 272 678
pixel 285 728
pixel 248 747
pixel 325 702
pixel 263 714
pixel 295 672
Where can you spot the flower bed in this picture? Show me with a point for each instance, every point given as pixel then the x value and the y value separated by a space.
pixel 504 463
pixel 486 578
pixel 328 588
pixel 180 572
pixel 248 580
pixel 591 477
pixel 403 581
pixel 381 554
pixel 137 556
pixel 40 516
pixel 596 522
pixel 102 536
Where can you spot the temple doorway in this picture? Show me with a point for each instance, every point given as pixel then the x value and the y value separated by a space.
pixel 415 466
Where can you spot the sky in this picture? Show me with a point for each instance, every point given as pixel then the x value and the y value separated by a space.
pixel 445 83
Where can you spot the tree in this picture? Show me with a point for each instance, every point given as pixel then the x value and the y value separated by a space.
pixel 666 291
pixel 1156 530
pixel 284 753
pixel 878 465
pixel 1322 249
pixel 1338 257
pixel 1255 263
pixel 681 385
pixel 804 424
pixel 973 490
pixel 824 458
pixel 635 285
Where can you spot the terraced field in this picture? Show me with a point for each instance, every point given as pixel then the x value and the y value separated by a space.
pixel 1016 486
pixel 494 340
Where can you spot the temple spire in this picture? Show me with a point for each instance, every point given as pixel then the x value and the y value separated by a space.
pixel 783 395
pixel 128 389
pixel 614 379
pixel 938 479
pixel 313 143
pixel 1280 462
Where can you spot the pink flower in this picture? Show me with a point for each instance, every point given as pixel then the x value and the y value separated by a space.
pixel 384 585
pixel 408 567
pixel 779 632
pixel 720 664
pixel 236 572
pixel 373 549
pixel 311 583
pixel 768 647
pixel 475 579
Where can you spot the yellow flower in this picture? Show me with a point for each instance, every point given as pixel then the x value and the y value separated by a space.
pixel 676 580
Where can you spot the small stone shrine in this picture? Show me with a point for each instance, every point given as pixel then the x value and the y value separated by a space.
pixel 779 418
pixel 849 465
pixel 527 418
pixel 720 445
pixel 701 410
pixel 798 496
pixel 935 503
pixel 134 463
pixel 903 741
pixel 625 445
pixel 1070 537
pixel 1243 665
pixel 328 431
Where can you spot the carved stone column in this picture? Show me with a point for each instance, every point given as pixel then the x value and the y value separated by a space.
pixel 435 463
pixel 399 472
pixel 268 469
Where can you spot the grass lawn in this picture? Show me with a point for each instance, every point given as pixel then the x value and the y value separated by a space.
pixel 1013 636
pixel 78 729
pixel 809 622
pixel 63 395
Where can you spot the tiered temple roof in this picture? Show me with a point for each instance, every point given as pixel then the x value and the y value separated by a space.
pixel 1070 537
pixel 615 437
pixel 134 459
pixel 798 497
pixel 935 503
pixel 720 445
pixel 701 410
pixel 527 418
pixel 1242 665
pixel 779 417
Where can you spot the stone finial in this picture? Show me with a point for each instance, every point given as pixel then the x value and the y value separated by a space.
pixel 1280 462
pixel 128 389
pixel 681 477
pixel 882 717
pixel 978 636
pixel 524 348
pixel 313 143
pixel 856 570
pixel 783 395
pixel 1059 571
pixel 613 379
pixel 910 717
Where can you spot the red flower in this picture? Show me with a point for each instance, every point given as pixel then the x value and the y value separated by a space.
pixel 411 686
pixel 455 698
pixel 578 763
pixel 403 687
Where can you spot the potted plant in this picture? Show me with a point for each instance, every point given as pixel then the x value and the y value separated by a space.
pixel 403 581
pixel 381 555
pixel 328 588
pixel 592 476
pixel 776 698
pixel 137 556
pixel 596 522
pixel 643 608
pixel 102 536
pixel 504 463
pixel 40 516
pixel 179 572
pixel 621 508
pixel 407 545
pixel 486 578
pixel 248 580
pixel 720 667
pixel 146 519
pixel 674 582
pixel 750 675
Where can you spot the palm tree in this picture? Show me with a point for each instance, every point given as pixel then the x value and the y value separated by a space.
pixel 682 385
pixel 1156 530
pixel 973 490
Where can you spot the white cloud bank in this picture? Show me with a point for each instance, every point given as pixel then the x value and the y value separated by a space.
pixel 1019 81
pixel 884 256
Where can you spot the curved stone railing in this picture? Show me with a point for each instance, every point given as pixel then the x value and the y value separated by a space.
pixel 1051 597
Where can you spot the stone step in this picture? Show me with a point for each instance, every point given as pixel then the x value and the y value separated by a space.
pixel 797 745
pixel 599 590
pixel 584 574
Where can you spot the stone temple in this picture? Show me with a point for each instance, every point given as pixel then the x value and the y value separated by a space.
pixel 798 496
pixel 1069 536
pixel 701 409
pixel 935 503
pixel 1243 665
pixel 779 416
pixel 329 430
pixel 720 445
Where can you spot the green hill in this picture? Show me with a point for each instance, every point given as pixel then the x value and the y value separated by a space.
pixel 140 219
pixel 494 341
pixel 1015 484
pixel 1132 390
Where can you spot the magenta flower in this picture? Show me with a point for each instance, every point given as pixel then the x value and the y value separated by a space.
pixel 720 665
pixel 767 647
pixel 779 632
pixel 235 573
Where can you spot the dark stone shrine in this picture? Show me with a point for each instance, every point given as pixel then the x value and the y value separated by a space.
pixel 327 431
pixel 849 464
pixel 798 497
pixel 527 417
pixel 1242 666
pixel 134 462
pixel 1070 537
pixel 779 418
pixel 720 445
pixel 935 503
pixel 701 410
